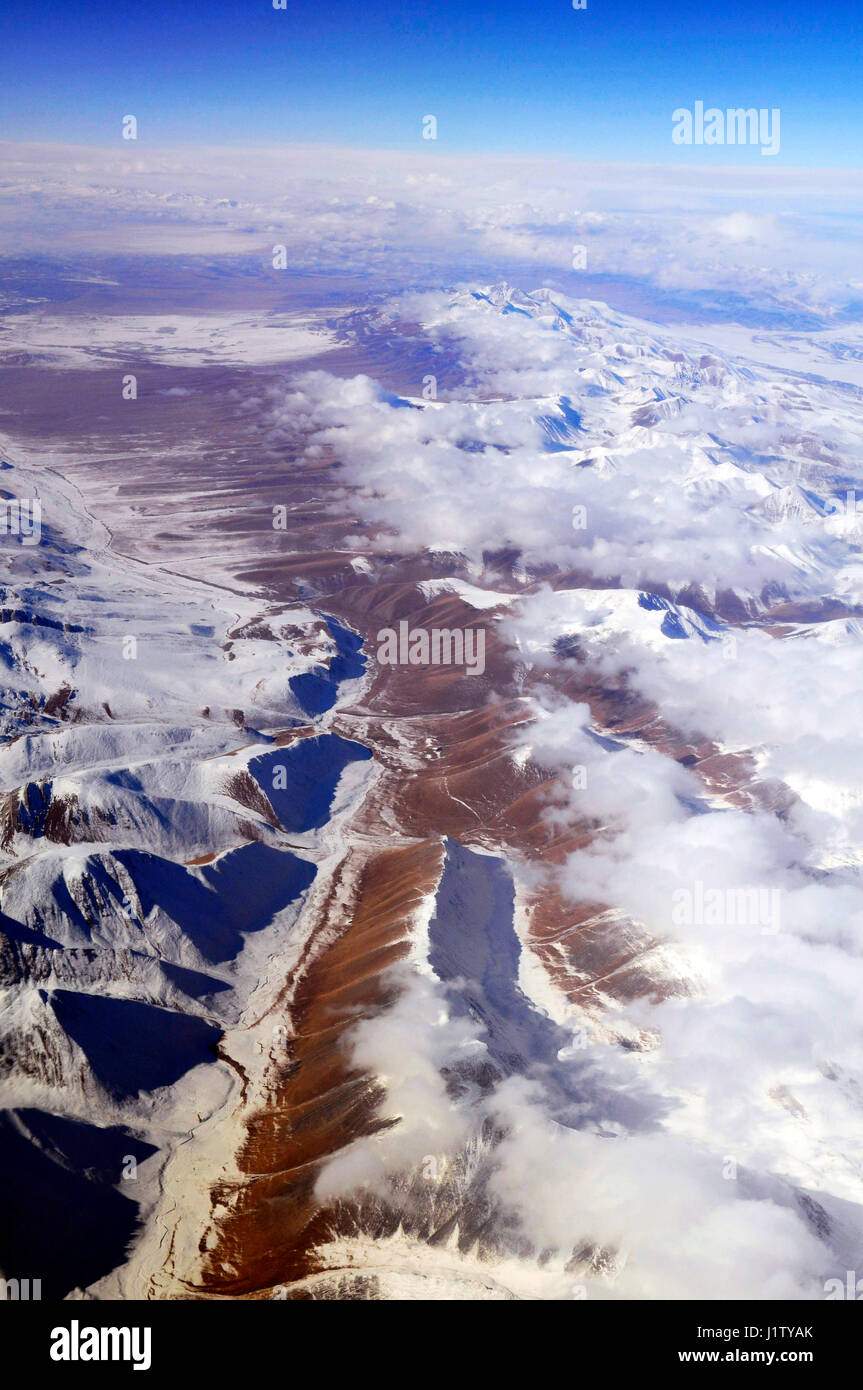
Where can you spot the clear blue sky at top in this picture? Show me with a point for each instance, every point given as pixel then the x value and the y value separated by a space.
pixel 506 77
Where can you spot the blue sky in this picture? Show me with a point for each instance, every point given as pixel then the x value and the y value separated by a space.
pixel 511 77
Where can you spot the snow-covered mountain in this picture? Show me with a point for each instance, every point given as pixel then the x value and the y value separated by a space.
pixel 391 981
pixel 150 872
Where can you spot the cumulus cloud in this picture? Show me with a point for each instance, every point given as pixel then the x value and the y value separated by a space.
pixel 746 226
pixel 408 1047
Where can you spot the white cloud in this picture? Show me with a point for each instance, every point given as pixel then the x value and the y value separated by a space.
pixel 406 215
